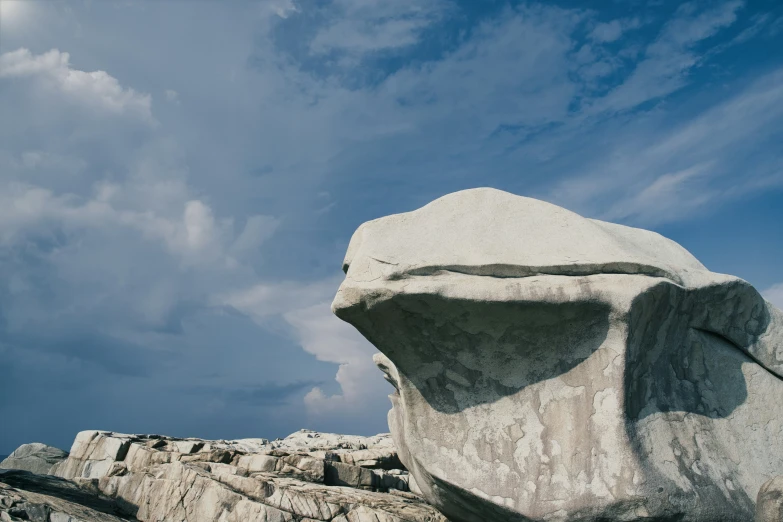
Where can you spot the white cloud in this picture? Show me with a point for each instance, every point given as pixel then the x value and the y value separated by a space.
pixel 195 236
pixel 774 295
pixel 511 87
pixel 367 36
pixel 96 89
pixel 613 30
pixel 669 58
pixel 307 309
pixel 503 100
pixel 41 159
pixel 11 9
pixel 172 96
pixel 513 72
pixel 264 300
pixel 359 27
pixel 199 225
pixel 131 229
pixel 281 8
pixel 652 173
pixel 257 230
pixel 320 333
pixel 669 197
pixel 141 185
pixel 450 116
pixel 111 197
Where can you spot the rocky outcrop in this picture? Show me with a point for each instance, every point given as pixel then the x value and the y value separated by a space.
pixel 307 476
pixel 552 367
pixel 34 457
pixel 43 498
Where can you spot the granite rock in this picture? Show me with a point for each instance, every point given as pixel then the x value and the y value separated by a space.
pixel 552 367
pixel 769 503
pixel 34 457
pixel 305 477
pixel 44 498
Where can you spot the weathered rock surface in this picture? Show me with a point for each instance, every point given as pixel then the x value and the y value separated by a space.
pixel 44 498
pixel 34 457
pixel 307 476
pixel 769 503
pixel 552 367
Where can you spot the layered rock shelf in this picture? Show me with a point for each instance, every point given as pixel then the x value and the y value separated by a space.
pixel 307 476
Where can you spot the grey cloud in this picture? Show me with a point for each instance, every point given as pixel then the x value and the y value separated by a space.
pixel 83 343
pixel 139 233
pixel 268 394
pixel 613 30
pixel 109 255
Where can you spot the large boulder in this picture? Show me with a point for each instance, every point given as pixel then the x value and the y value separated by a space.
pixel 553 367
pixel 34 457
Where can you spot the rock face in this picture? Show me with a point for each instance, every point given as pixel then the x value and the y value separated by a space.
pixel 552 367
pixel 769 504
pixel 305 477
pixel 43 498
pixel 35 457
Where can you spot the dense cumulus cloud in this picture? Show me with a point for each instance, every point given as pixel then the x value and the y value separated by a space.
pixel 174 208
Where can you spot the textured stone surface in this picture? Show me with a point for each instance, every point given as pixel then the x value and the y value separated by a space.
pixel 34 457
pixel 307 476
pixel 44 498
pixel 552 367
pixel 769 503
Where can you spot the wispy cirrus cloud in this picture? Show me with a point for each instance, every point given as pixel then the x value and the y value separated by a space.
pixel 667 60
pixel 358 28
pixel 613 30
pixel 652 174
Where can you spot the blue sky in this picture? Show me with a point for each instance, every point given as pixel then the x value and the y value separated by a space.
pixel 179 180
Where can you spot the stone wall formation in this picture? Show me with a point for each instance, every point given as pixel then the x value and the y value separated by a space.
pixel 545 367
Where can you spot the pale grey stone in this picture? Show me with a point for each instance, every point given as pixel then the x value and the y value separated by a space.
pixel 340 474
pixel 34 457
pixel 161 479
pixel 188 446
pixel 769 503
pixel 552 367
pixel 44 498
